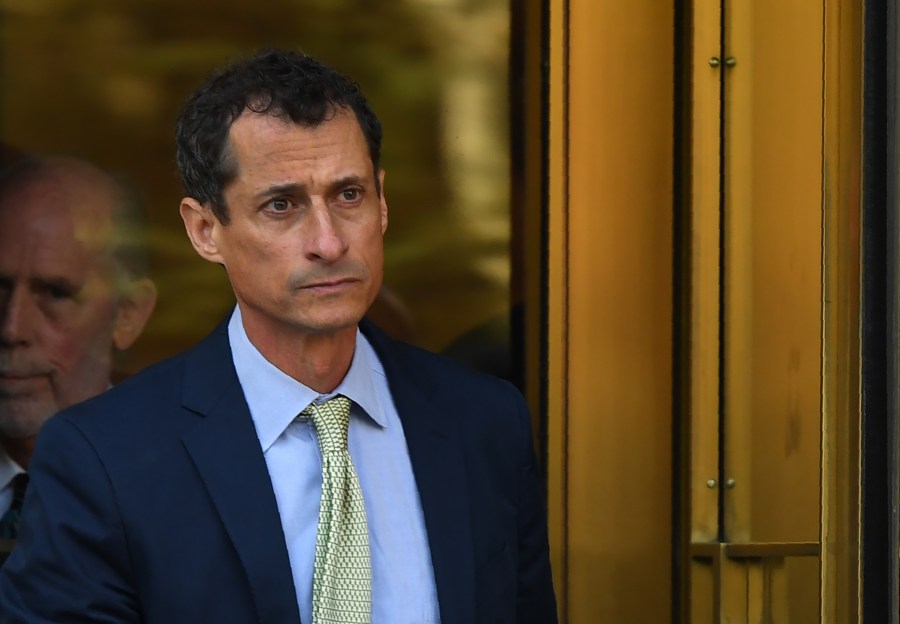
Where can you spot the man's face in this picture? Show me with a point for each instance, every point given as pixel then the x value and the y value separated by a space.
pixel 57 306
pixel 303 247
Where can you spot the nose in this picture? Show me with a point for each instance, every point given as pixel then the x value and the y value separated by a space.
pixel 16 317
pixel 326 241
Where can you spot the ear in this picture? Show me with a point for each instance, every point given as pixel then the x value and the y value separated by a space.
pixel 135 307
pixel 200 224
pixel 384 208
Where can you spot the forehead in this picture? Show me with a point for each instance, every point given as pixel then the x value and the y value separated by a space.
pixel 47 225
pixel 265 143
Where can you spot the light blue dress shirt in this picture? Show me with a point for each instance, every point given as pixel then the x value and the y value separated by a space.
pixel 403 587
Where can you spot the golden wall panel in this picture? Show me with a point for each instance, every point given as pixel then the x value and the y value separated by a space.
pixel 619 311
pixel 773 279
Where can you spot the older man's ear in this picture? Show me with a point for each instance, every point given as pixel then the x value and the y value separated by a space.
pixel 135 307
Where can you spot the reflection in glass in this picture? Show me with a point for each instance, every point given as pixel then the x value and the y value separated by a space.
pixel 105 80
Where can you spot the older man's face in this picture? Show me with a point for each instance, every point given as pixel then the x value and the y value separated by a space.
pixel 57 303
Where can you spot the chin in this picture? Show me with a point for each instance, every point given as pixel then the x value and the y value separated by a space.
pixel 18 424
pixel 331 324
pixel 332 328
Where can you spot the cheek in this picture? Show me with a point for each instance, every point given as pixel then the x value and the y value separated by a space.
pixel 271 261
pixel 260 270
pixel 84 342
pixel 374 246
pixel 376 260
pixel 257 257
pixel 69 352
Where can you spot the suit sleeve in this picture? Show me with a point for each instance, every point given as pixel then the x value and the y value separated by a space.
pixel 71 561
pixel 536 602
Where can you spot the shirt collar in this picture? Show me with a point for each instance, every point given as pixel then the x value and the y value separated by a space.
pixel 275 399
pixel 8 469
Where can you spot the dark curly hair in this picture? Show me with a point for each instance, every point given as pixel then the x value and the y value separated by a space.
pixel 274 82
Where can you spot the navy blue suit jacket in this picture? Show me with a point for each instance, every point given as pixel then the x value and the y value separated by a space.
pixel 152 502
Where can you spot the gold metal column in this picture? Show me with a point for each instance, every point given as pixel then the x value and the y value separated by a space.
pixel 611 145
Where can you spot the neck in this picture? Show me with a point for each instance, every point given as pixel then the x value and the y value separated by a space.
pixel 19 449
pixel 318 361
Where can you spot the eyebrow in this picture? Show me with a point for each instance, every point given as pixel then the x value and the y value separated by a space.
pixel 282 189
pixel 300 189
pixel 61 283
pixel 50 281
pixel 347 181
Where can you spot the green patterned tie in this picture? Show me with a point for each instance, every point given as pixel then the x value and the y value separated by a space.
pixel 342 578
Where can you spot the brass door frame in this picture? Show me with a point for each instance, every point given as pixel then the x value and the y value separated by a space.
pixel 838 549
pixel 609 307
pixel 840 415
pixel 840 563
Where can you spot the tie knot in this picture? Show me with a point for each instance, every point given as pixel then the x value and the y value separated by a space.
pixel 331 420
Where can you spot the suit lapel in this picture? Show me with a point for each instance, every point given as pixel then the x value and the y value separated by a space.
pixel 225 449
pixel 435 452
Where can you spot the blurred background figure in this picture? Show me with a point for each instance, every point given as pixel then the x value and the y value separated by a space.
pixel 74 289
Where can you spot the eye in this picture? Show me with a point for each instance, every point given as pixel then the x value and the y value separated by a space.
pixel 278 205
pixel 59 292
pixel 350 195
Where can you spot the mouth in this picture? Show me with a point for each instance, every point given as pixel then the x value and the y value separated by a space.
pixel 329 286
pixel 22 373
pixel 13 375
pixel 13 383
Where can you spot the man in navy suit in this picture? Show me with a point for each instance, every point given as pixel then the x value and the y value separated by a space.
pixel 191 492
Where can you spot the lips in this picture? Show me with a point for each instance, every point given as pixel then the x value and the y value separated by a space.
pixel 329 285
pixel 21 376
pixel 11 369
pixel 12 384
